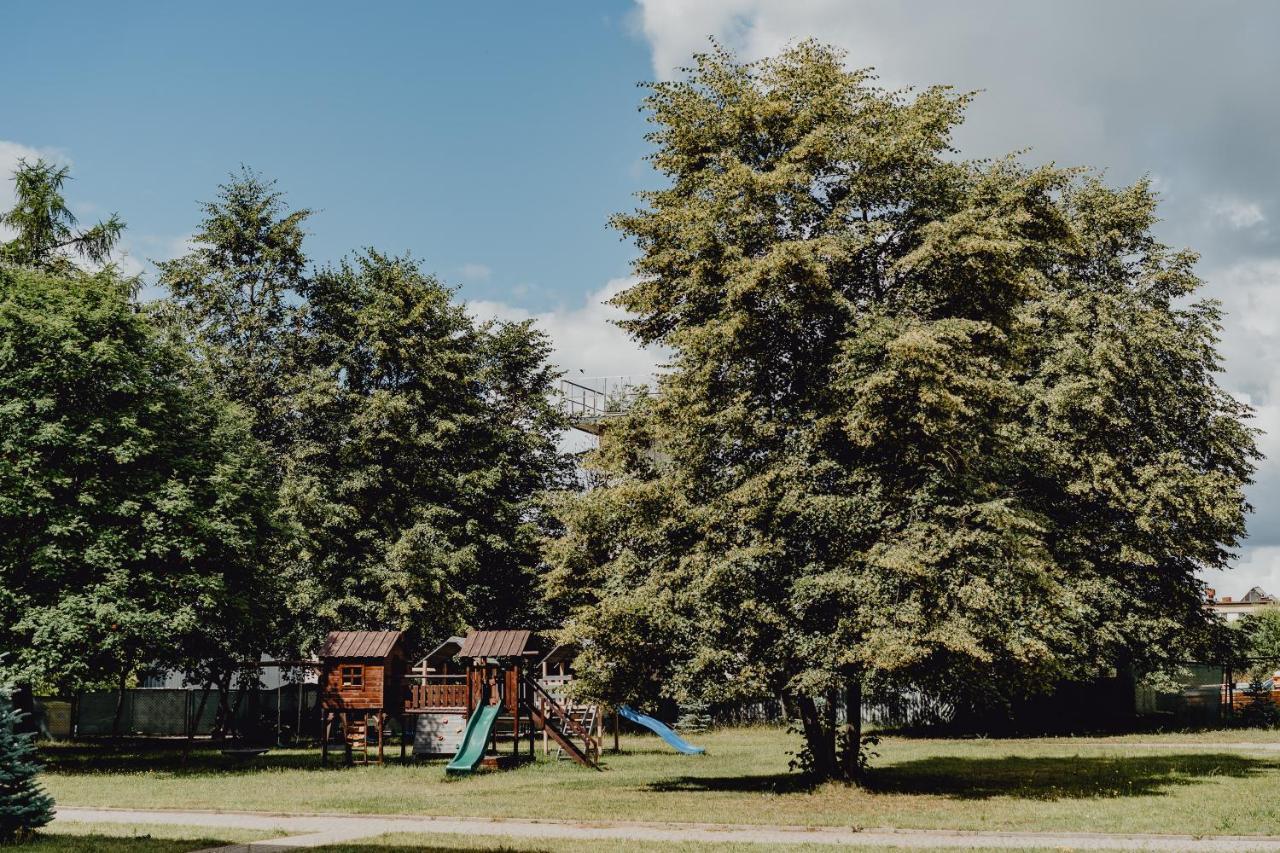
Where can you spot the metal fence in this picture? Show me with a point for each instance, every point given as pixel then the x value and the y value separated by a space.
pixel 160 712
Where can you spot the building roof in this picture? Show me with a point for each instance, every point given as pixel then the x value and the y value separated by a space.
pixel 495 644
pixel 359 644
pixel 443 652
pixel 564 651
pixel 1256 596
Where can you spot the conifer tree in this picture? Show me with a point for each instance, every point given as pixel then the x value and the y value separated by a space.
pixel 45 233
pixel 24 805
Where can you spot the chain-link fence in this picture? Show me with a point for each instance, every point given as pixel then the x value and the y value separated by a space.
pixel 280 714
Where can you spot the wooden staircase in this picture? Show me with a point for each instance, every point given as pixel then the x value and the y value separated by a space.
pixel 561 724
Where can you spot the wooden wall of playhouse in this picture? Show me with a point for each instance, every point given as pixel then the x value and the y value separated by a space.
pixel 363 671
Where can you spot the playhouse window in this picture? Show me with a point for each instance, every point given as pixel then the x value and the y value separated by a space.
pixel 352 676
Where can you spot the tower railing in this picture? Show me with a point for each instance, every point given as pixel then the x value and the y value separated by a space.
pixel 588 400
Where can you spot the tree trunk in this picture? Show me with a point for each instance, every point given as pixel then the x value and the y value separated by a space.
pixel 24 702
pixel 851 737
pixel 115 721
pixel 818 742
pixel 223 720
pixel 195 720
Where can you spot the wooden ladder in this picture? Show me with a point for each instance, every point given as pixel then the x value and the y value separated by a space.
pixel 356 733
pixel 548 715
pixel 585 717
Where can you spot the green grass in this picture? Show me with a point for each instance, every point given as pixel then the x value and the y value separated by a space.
pixel 146 838
pixel 413 843
pixel 1063 784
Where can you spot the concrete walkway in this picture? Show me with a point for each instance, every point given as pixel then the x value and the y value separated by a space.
pixel 318 830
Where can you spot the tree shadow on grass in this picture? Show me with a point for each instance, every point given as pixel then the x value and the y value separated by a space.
pixel 70 842
pixel 166 757
pixel 767 783
pixel 1041 778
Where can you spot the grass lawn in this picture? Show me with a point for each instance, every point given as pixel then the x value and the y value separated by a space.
pixel 1090 784
pixel 441 843
pixel 148 838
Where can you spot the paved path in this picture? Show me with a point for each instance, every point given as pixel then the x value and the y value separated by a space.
pixel 318 830
pixel 1227 746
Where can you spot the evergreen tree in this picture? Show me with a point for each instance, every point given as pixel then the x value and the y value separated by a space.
pixel 24 806
pixel 931 423
pixel 234 295
pixel 46 236
pixel 423 439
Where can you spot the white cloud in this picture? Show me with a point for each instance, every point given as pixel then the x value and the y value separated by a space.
pixel 586 342
pixel 1237 212
pixel 475 272
pixel 1256 567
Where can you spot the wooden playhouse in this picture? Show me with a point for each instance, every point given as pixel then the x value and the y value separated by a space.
pixel 361 688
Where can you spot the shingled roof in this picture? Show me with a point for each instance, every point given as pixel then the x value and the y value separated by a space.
pixel 495 644
pixel 359 644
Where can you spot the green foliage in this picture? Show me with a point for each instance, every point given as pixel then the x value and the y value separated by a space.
pixel 131 494
pixel 24 805
pixel 233 296
pixel 928 422
pixel 1260 641
pixel 409 442
pixel 46 235
pixel 422 440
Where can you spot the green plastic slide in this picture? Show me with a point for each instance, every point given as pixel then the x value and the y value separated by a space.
pixel 474 740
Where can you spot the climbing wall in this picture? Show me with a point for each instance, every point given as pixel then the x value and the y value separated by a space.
pixel 438 733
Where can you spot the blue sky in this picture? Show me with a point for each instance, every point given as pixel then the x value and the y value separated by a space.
pixel 493 140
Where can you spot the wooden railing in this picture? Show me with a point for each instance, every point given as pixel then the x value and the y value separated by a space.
pixel 429 695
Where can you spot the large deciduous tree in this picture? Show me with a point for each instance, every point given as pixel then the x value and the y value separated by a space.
pixel 132 496
pixel 927 422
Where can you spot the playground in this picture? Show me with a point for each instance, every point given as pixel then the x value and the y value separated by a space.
pixel 484 699
pixel 482 744
pixel 1210 784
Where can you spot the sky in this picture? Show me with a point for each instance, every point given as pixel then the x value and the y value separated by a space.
pixel 492 141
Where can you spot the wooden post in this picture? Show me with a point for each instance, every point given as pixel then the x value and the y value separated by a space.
pixel 382 719
pixel 404 734
pixel 326 725
pixel 615 730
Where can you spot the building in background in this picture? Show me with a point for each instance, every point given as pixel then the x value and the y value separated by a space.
pixel 1232 609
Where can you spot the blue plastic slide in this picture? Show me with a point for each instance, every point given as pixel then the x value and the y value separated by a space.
pixel 661 730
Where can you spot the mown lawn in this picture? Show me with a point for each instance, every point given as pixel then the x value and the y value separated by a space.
pixel 1105 785
pixel 110 838
pixel 448 843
